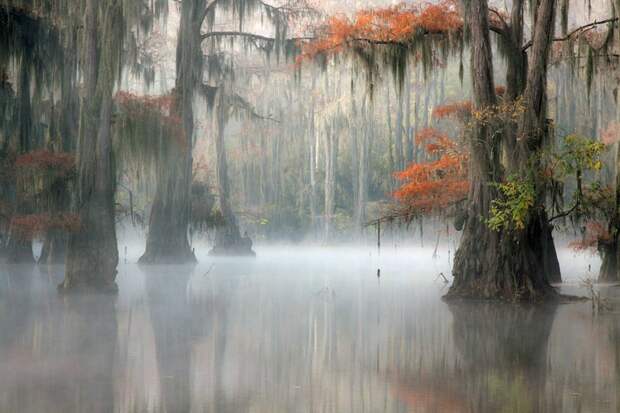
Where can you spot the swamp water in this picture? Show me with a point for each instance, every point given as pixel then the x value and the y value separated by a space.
pixel 301 330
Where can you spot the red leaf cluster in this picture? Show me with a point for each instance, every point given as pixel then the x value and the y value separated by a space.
pixel 396 24
pixel 140 105
pixel 42 160
pixel 435 185
pixel 29 226
pixel 162 106
pixel 459 110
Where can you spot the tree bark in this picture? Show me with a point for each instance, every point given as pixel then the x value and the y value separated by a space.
pixel 167 240
pixel 19 250
pixel 312 171
pixel 92 252
pixel 362 171
pixel 330 179
pixel 502 264
pixel 610 250
pixel 228 239
pixel 55 243
pixel 516 83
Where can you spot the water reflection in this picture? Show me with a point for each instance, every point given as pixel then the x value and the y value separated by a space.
pixel 171 320
pixel 504 353
pixel 60 351
pixel 303 332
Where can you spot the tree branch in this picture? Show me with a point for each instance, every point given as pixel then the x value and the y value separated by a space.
pixel 236 34
pixel 500 17
pixel 576 31
pixel 234 101
pixel 251 36
pixel 565 213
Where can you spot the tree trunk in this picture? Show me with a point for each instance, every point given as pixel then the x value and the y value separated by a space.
pixel 93 253
pixel 388 116
pixel 228 239
pixel 330 179
pixel 55 243
pixel 54 249
pixel 362 171
pixel 610 250
pixel 398 138
pixel 516 82
pixel 408 144
pixel 167 240
pixel 498 264
pixel 19 250
pixel 312 172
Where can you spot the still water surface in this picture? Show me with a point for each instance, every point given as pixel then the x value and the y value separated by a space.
pixel 300 330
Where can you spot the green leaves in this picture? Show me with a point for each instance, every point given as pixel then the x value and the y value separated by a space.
pixel 517 195
pixel 510 209
pixel 578 154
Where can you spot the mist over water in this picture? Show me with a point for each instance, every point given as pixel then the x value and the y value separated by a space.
pixel 300 329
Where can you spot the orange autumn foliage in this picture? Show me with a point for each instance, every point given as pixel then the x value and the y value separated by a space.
pixel 29 226
pixel 434 185
pixel 459 110
pixel 396 24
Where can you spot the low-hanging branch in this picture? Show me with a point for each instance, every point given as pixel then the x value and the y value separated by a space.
pixel 374 27
pixel 276 14
pixel 576 31
pixel 237 34
pixel 235 101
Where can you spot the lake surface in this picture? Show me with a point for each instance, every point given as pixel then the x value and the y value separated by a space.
pixel 301 330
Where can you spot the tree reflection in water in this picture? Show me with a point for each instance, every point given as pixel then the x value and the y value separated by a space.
pixel 316 333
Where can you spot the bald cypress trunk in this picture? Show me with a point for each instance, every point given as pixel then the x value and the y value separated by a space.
pixel 312 163
pixel 18 249
pixel 92 251
pixel 610 249
pixel 54 249
pixel 505 264
pixel 228 239
pixel 364 137
pixel 167 240
pixel 516 82
pixel 330 180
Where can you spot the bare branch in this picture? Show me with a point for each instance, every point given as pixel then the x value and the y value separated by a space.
pixel 576 31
